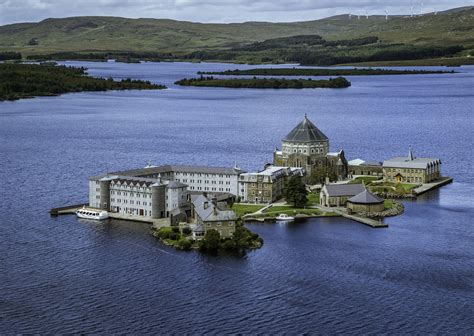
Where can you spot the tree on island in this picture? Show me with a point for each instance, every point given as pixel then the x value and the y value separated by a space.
pixel 319 174
pixel 211 242
pixel 295 192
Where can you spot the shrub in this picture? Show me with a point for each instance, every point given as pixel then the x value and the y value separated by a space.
pixel 184 244
pixel 174 236
pixel 175 229
pixel 187 231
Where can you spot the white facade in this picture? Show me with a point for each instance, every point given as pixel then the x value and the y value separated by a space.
pixel 136 196
pixel 129 197
pixel 209 182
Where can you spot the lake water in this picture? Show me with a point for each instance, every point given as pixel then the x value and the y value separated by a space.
pixel 63 275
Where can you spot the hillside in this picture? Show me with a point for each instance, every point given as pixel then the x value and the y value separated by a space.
pixel 86 34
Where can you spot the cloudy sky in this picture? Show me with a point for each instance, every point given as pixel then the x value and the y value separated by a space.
pixel 12 11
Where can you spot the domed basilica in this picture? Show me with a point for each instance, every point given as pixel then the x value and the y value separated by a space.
pixel 307 147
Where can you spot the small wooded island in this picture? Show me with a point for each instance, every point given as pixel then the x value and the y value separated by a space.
pixel 266 83
pixel 320 72
pixel 19 81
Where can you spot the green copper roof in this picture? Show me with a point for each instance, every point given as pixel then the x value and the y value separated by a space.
pixel 305 131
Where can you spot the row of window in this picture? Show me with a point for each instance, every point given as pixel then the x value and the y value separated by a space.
pixel 313 151
pixel 220 224
pixel 205 175
pixel 119 200
pixel 209 189
pixel 130 193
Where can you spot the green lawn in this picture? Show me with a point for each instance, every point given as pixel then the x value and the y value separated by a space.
pixel 364 179
pixel 242 209
pixel 313 198
pixel 388 204
pixel 397 188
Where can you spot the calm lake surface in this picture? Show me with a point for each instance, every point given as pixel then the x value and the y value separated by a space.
pixel 63 275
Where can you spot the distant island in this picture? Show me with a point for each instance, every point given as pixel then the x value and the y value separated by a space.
pixel 319 72
pixel 19 81
pixel 266 83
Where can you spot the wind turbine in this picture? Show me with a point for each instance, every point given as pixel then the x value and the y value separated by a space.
pixel 386 14
pixel 367 14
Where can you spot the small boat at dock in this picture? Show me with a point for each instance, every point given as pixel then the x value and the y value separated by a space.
pixel 284 217
pixel 95 214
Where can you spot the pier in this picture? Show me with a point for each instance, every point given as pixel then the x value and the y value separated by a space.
pixel 425 187
pixel 367 221
pixel 71 209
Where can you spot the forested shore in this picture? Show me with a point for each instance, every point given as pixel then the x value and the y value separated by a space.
pixel 19 81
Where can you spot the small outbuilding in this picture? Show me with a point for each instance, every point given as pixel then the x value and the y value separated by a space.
pixel 365 202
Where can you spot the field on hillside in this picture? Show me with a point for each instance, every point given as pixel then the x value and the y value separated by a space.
pixel 328 41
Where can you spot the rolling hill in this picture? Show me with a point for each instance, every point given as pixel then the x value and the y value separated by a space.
pixel 113 34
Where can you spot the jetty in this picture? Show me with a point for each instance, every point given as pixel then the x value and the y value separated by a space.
pixel 367 221
pixel 71 210
pixel 425 187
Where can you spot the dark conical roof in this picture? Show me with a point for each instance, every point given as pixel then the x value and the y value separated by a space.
pixel 365 197
pixel 305 131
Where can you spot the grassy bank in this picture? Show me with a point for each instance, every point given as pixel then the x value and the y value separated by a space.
pixel 266 83
pixel 243 209
pixel 29 80
pixel 320 72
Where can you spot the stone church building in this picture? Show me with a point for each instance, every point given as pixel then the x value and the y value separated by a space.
pixel 307 147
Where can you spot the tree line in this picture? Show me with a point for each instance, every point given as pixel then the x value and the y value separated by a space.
pixel 9 55
pixel 28 80
pixel 265 83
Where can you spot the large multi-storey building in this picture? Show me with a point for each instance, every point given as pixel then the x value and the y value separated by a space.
pixel 307 147
pixel 158 192
pixel 266 186
pixel 205 179
pixel 137 196
pixel 411 169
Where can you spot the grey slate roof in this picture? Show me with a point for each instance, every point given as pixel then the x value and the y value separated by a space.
pixel 305 131
pixel 181 169
pixel 175 185
pixel 208 214
pixel 344 189
pixel 405 162
pixel 366 197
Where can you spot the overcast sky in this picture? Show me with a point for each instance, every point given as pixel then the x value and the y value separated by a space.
pixel 12 11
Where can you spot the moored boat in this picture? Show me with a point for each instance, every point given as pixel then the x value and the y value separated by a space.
pixel 284 217
pixel 88 213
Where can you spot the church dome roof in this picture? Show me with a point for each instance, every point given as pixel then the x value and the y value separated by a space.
pixel 305 131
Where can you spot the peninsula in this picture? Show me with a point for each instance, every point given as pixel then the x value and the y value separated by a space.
pixel 266 83
pixel 19 81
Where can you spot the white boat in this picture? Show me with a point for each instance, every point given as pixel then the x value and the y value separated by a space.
pixel 94 214
pixel 284 217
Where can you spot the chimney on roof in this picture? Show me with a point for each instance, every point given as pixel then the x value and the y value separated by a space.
pixel 327 180
pixel 410 154
pixel 206 204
